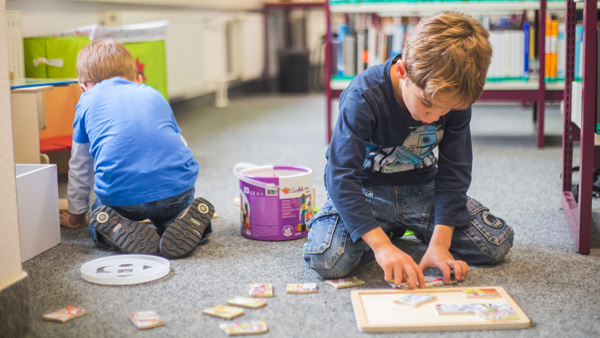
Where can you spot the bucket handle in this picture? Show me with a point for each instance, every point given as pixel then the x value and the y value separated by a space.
pixel 269 187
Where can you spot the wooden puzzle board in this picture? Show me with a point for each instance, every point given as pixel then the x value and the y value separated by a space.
pixel 375 311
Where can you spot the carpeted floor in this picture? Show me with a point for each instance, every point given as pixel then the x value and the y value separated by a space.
pixel 556 287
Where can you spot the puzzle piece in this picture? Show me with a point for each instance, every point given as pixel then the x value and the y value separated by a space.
pixel 344 282
pixel 250 303
pixel 146 320
pixel 65 314
pixel 414 299
pixel 244 327
pixel 430 281
pixel 481 293
pixel 261 290
pixel 224 311
pixel 302 288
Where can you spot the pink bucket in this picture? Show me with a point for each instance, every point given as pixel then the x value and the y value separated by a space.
pixel 275 201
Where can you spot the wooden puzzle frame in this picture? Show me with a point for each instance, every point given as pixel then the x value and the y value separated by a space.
pixel 375 311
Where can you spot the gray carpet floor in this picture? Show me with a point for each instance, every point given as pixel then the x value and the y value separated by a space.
pixel 556 287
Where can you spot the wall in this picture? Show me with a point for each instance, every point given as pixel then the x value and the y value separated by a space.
pixel 199 59
pixel 196 43
pixel 10 251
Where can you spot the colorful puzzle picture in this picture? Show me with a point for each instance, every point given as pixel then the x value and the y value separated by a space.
pixel 344 282
pixel 65 314
pixel 261 290
pixel 146 320
pixel 302 288
pixel 414 299
pixel 244 212
pixel 435 309
pixel 244 327
pixel 482 293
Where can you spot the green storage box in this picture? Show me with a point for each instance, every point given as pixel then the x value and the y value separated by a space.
pixel 59 58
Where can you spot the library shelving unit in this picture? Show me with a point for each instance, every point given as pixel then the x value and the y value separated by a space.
pixel 579 212
pixel 535 91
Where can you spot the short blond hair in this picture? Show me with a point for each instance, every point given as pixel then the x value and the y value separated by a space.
pixel 101 60
pixel 448 52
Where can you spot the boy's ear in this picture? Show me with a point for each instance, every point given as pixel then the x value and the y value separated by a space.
pixel 85 86
pixel 139 79
pixel 400 69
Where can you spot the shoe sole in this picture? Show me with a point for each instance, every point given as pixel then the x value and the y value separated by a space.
pixel 127 235
pixel 190 229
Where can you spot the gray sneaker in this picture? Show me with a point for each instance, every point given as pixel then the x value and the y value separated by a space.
pixel 188 230
pixel 124 234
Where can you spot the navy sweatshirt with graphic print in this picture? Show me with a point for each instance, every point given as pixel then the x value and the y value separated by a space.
pixel 376 142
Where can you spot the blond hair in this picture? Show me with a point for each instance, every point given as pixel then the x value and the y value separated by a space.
pixel 101 60
pixel 448 52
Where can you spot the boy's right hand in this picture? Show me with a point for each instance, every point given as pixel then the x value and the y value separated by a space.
pixel 395 263
pixel 73 221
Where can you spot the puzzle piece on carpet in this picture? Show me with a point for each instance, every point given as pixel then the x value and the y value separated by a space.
pixel 146 320
pixel 261 290
pixel 223 311
pixel 250 303
pixel 302 288
pixel 345 282
pixel 65 314
pixel 244 327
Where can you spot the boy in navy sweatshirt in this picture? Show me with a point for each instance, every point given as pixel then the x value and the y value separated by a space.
pixel 382 175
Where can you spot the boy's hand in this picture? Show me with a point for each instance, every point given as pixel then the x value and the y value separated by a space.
pixel 395 263
pixel 438 255
pixel 73 221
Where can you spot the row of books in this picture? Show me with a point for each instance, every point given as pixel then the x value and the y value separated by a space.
pixel 358 49
pixel 364 42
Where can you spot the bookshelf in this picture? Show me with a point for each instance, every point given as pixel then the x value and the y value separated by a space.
pixel 579 212
pixel 535 91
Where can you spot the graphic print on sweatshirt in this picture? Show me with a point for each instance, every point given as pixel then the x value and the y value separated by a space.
pixel 415 153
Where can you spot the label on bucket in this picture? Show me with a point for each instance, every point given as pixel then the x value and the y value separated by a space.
pixel 276 214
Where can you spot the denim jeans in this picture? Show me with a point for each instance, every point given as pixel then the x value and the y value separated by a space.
pixel 331 252
pixel 161 213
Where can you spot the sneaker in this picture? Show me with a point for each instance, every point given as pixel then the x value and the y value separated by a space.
pixel 124 234
pixel 188 230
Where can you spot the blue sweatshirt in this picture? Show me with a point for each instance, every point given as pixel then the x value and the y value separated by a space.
pixel 376 142
pixel 135 142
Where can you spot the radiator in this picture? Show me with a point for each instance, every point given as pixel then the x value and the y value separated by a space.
pixel 205 50
pixel 14 36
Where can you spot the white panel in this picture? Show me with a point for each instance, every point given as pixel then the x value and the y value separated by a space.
pixel 10 262
pixel 252 55
pixel 214 43
pixel 37 193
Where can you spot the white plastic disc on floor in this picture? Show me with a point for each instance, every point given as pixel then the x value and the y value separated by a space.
pixel 125 269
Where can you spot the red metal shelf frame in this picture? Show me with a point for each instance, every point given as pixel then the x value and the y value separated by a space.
pixel 579 213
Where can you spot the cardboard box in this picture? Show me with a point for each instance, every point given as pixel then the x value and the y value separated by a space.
pixel 37 200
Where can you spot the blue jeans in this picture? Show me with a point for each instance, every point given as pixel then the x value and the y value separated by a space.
pixel 331 252
pixel 161 213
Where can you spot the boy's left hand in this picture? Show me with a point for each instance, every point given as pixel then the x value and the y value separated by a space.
pixel 439 257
